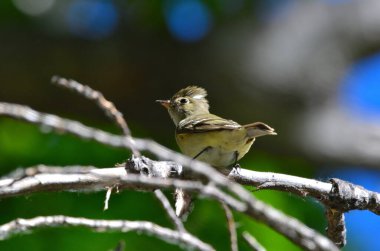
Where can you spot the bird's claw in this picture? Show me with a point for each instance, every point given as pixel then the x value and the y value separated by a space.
pixel 236 168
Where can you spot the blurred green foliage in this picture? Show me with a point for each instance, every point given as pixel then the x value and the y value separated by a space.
pixel 23 145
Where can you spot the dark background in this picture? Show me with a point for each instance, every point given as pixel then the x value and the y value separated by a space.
pixel 310 69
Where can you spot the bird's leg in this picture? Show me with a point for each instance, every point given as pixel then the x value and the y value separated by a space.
pixel 236 166
pixel 201 152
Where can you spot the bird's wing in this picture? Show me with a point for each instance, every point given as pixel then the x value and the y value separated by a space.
pixel 206 123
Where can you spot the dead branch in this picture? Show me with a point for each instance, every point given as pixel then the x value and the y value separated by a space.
pixel 91 94
pixel 283 182
pixel 107 106
pixel 98 179
pixel 347 196
pixel 231 227
pixel 338 194
pixel 169 210
pixel 291 228
pixel 23 226
pixel 336 228
pixel 252 242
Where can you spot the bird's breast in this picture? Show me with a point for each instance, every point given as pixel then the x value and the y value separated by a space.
pixel 222 146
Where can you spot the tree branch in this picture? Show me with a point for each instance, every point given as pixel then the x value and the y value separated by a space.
pixel 282 182
pixel 336 228
pixel 340 195
pixel 169 210
pixel 98 179
pixel 347 196
pixel 22 226
pixel 107 106
pixel 252 242
pixel 231 227
pixel 289 227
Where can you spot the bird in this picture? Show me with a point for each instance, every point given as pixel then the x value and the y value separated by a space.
pixel 207 137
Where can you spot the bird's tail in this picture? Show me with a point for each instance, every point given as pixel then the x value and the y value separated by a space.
pixel 258 129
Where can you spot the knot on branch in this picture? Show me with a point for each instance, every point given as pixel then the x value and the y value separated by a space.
pixel 147 167
pixel 346 196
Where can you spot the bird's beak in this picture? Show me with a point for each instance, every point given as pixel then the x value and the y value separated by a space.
pixel 165 103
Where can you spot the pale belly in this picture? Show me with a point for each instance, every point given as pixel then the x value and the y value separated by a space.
pixel 221 146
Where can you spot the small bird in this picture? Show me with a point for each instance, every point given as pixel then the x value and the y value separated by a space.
pixel 204 136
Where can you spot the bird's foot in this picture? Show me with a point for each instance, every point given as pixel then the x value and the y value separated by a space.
pixel 236 168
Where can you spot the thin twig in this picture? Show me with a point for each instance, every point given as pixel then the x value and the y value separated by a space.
pixel 231 227
pixel 23 226
pixel 107 106
pixel 108 196
pixel 252 242
pixel 169 210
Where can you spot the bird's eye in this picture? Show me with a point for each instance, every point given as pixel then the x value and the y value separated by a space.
pixel 184 100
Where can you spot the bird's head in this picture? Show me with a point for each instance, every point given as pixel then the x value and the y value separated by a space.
pixel 186 102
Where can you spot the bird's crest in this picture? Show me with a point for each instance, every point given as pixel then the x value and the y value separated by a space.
pixel 194 92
